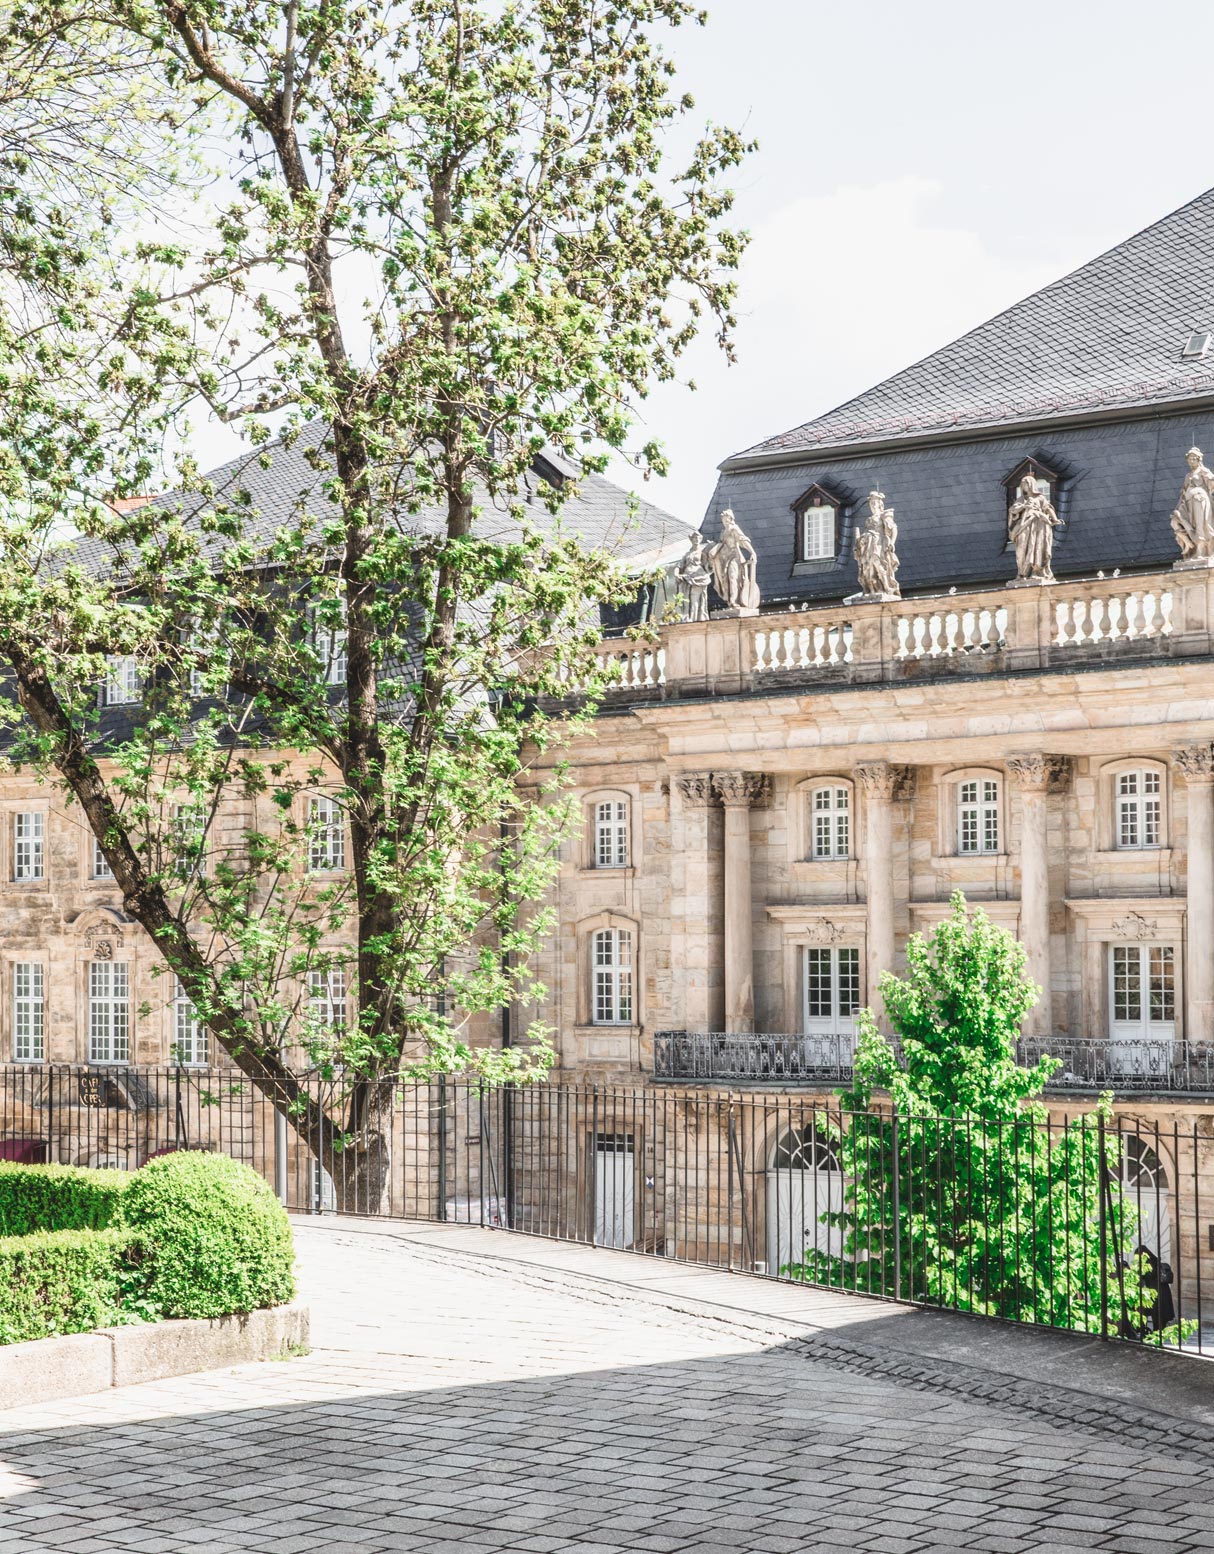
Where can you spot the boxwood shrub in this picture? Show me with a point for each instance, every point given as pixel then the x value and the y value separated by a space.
pixel 58 1197
pixel 62 1281
pixel 210 1235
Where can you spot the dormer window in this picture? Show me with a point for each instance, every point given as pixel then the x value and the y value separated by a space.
pixel 1046 480
pixel 817 522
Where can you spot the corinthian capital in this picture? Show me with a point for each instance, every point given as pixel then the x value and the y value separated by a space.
pixel 882 779
pixel 1195 763
pixel 741 790
pixel 1038 772
pixel 696 789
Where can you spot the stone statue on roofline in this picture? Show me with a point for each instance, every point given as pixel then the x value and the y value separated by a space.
pixel 1193 517
pixel 877 553
pixel 735 566
pixel 693 577
pixel 1031 521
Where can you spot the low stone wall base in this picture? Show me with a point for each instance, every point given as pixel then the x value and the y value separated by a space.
pixel 51 1368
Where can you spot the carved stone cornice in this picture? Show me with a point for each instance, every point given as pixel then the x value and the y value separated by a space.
pixel 741 790
pixel 1195 763
pixel 696 789
pixel 1038 772
pixel 882 779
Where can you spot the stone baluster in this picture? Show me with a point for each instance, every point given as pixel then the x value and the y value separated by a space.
pixel 1196 766
pixel 1036 775
pixel 881 782
pixel 738 791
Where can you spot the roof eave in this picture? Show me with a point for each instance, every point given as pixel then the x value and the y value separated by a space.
pixel 952 435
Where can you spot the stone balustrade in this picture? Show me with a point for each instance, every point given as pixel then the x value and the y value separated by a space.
pixel 992 630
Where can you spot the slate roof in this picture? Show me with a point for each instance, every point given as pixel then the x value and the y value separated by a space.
pixel 1107 336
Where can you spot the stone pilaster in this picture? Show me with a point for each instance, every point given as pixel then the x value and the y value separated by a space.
pixel 695 886
pixel 1036 775
pixel 1196 765
pixel 881 782
pixel 738 791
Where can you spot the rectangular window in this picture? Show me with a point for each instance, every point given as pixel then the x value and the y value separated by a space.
pixel 832 989
pixel 1143 992
pixel 611 990
pixel 327 999
pixel 29 835
pixel 611 834
pixel 109 1012
pixel 1139 809
pixel 329 643
pixel 189 1033
pixel 817 533
pixel 121 685
pixel 187 841
pixel 978 816
pixel 326 836
pixel 28 1021
pixel 831 816
pixel 101 865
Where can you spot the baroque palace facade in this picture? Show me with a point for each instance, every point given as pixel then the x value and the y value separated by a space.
pixel 957 634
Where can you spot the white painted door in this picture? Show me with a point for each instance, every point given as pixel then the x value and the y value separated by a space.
pixel 830 979
pixel 1144 1187
pixel 804 1183
pixel 614 1191
pixel 1142 1001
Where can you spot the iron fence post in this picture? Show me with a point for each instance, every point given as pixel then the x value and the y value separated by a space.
pixel 895 1189
pixel 1102 1169
pixel 442 1146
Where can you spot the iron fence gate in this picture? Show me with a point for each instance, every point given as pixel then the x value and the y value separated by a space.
pixel 1087 1223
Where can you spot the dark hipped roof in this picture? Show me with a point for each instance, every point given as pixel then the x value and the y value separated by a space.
pixel 1107 336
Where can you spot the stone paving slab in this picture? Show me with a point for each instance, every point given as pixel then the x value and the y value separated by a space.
pixel 471 1393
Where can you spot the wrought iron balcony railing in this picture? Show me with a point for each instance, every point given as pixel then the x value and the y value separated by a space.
pixel 1089 1064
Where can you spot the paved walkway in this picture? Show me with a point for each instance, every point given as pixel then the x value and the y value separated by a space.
pixel 470 1392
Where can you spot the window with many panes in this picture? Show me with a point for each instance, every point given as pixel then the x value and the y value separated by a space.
pixel 329 642
pixel 327 999
pixel 1139 818
pixel 28 1016
pixel 121 684
pixel 817 533
pixel 29 846
pixel 101 864
pixel 109 1011
pixel 611 834
pixel 611 981
pixel 187 841
pixel 326 836
pixel 978 815
pixel 189 1042
pixel 1143 992
pixel 831 987
pixel 830 822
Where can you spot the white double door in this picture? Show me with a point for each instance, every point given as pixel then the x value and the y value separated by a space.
pixel 1142 1009
pixel 614 1190
pixel 797 1201
pixel 830 996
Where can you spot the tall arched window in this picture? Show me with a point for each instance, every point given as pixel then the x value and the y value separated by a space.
pixel 611 977
pixel 830 821
pixel 611 834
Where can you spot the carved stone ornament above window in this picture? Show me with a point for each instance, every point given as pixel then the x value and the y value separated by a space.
pixel 1134 926
pixel 820 930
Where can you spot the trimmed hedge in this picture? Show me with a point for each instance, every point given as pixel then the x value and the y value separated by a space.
pixel 212 1236
pixel 63 1281
pixel 58 1197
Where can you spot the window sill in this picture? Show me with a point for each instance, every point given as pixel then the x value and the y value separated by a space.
pixel 625 873
pixel 974 861
pixel 606 1030
pixel 819 564
pixel 1114 855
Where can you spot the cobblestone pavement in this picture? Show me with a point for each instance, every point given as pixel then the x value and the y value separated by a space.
pixel 469 1394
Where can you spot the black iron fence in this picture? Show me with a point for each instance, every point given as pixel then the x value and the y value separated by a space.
pixel 1087 1064
pixel 1101 1225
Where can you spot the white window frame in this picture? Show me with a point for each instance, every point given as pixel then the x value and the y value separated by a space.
pixel 328 992
pixel 121 686
pixel 978 820
pixel 610 827
pixel 1138 812
pixel 109 1011
pixel 1147 974
pixel 187 832
pixel 190 1037
pixel 819 524
pixel 29 1011
pixel 326 835
pixel 100 869
pixel 329 644
pixel 612 976
pixel 835 1014
pixel 830 821
pixel 29 845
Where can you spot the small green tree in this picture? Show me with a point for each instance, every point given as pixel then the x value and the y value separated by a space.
pixel 960 1191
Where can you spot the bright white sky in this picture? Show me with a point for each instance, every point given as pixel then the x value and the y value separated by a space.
pixel 921 167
